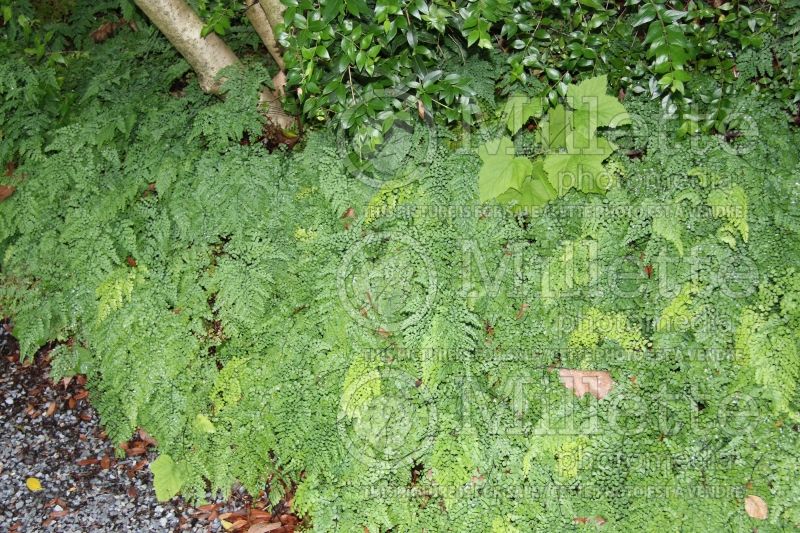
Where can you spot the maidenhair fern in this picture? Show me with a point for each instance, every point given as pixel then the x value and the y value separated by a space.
pixel 387 347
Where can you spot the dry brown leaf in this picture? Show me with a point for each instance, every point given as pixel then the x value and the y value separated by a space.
pixel 207 508
pixel 755 507
pixel 598 383
pixel 51 409
pixel 108 29
pixel 264 528
pixel 239 524
pixel 596 519
pixel 288 519
pixel 6 191
pixel 138 450
pixel 81 394
pixel 146 438
pixel 56 501
pixel 257 515
pixel 102 33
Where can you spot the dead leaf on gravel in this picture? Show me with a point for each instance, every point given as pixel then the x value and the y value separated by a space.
pixel 53 516
pixel 598 383
pixel 257 515
pixel 134 448
pixel 51 409
pixel 264 528
pixel 756 507
pixel 57 501
pixel 81 394
pixel 207 508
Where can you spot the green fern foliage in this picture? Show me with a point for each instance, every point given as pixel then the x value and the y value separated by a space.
pixel 390 353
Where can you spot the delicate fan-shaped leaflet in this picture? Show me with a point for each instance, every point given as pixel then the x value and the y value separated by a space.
pixel 770 349
pixel 669 228
pixel 731 204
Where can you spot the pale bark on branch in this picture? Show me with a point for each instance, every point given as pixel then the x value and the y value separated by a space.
pixel 181 25
pixel 259 20
pixel 273 9
pixel 208 55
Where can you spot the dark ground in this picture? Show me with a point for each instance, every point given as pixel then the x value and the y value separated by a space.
pixel 50 432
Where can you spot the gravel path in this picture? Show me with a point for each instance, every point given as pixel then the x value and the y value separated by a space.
pixel 50 432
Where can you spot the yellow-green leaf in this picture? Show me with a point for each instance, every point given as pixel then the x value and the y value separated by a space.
pixel 33 484
pixel 168 477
